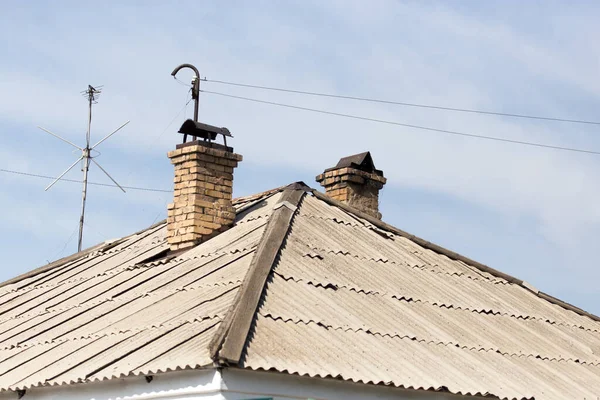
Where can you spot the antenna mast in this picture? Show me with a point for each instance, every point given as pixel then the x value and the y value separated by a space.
pixel 92 94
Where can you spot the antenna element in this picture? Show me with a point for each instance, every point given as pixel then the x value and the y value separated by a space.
pixel 92 94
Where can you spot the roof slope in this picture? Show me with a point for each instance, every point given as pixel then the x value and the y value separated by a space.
pixel 349 300
pixel 301 284
pixel 124 308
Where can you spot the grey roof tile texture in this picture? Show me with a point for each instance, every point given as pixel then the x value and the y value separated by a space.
pixel 126 310
pixel 349 301
pixel 345 299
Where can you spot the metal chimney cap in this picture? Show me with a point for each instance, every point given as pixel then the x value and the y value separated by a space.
pixel 202 130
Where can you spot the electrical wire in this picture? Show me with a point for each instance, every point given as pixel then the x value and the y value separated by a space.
pixel 154 139
pixel 160 212
pixel 148 143
pixel 399 103
pixel 59 253
pixel 77 181
pixel 174 118
pixel 182 82
pixel 493 138
pixel 96 231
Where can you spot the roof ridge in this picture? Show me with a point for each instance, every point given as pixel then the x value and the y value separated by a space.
pixel 453 255
pixel 229 342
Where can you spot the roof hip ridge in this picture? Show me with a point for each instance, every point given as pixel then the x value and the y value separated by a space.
pixel 228 344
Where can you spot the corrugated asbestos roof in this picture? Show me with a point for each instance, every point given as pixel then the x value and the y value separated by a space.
pixel 348 300
pixel 301 285
pixel 125 309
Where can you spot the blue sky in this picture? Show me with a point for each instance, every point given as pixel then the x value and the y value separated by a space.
pixel 532 213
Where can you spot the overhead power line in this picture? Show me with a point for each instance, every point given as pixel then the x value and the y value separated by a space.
pixel 493 138
pixel 154 139
pixel 8 171
pixel 400 103
pixel 60 252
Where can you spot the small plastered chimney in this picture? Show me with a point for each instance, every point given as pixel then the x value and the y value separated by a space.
pixel 356 182
pixel 202 201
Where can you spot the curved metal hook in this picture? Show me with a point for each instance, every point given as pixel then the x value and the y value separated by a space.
pixel 195 87
pixel 190 66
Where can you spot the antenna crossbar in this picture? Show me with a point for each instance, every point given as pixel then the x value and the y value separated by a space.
pixel 91 94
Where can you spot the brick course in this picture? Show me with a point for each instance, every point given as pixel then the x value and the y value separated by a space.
pixel 202 204
pixel 359 189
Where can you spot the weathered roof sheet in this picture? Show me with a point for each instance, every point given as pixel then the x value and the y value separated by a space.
pixel 348 300
pixel 304 285
pixel 124 308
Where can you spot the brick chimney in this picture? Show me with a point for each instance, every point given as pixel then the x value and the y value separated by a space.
pixel 356 182
pixel 202 206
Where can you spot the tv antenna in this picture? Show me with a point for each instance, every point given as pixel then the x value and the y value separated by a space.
pixel 92 94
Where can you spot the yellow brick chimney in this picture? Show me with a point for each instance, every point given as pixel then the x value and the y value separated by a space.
pixel 356 182
pixel 202 205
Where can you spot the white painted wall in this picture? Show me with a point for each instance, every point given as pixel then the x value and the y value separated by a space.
pixel 189 385
pixel 245 384
pixel 230 384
